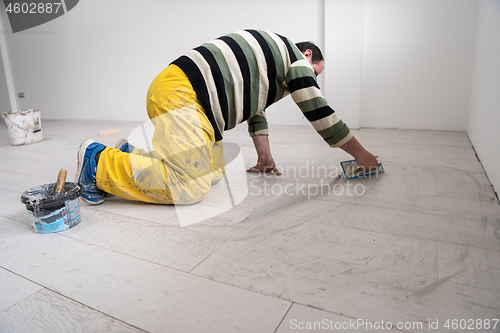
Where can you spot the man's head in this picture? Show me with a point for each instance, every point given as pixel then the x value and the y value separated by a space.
pixel 313 54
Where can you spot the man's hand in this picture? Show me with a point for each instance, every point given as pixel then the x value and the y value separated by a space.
pixel 367 161
pixel 362 156
pixel 265 161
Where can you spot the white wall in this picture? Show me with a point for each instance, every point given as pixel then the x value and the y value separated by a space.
pixel 417 63
pixel 389 63
pixel 4 90
pixel 484 122
pixel 344 58
pixel 97 61
pixel 400 64
pixel 7 97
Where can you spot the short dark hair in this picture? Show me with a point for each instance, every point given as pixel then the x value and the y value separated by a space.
pixel 316 52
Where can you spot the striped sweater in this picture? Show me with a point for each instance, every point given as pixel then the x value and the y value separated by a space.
pixel 237 76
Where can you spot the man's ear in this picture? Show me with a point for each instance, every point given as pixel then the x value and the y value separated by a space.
pixel 308 53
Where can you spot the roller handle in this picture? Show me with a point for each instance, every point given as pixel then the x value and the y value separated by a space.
pixel 61 179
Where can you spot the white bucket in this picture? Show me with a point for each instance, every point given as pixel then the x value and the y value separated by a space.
pixel 24 126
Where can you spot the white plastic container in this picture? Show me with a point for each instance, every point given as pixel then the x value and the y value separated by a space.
pixel 24 126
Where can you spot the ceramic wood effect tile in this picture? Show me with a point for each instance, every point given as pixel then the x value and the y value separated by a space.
pixel 450 138
pixel 270 184
pixel 46 311
pixel 12 206
pixel 399 254
pixel 14 288
pixel 260 197
pixel 418 244
pixel 349 191
pixel 437 205
pixel 455 153
pixel 482 233
pixel 401 180
pixel 314 151
pixel 410 181
pixel 455 183
pixel 403 155
pixel 464 165
pixel 19 183
pixel 227 224
pixel 298 208
pixel 346 289
pixel 165 245
pixel 140 210
pixel 395 135
pixel 137 292
pixel 453 302
pixel 470 265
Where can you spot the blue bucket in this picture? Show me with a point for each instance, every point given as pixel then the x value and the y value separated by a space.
pixel 51 212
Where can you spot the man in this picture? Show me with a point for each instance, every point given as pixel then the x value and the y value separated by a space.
pixel 203 93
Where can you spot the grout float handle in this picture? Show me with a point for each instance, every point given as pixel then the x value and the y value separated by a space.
pixel 61 179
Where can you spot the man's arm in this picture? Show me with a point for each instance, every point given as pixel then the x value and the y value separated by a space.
pixel 307 95
pixel 265 162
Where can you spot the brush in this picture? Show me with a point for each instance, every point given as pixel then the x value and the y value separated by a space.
pixel 353 170
pixel 61 180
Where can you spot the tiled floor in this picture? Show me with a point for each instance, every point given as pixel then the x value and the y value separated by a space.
pixel 417 246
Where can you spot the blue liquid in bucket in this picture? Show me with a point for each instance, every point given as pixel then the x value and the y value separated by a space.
pixel 52 212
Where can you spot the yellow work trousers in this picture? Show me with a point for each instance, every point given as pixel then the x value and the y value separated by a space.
pixel 186 160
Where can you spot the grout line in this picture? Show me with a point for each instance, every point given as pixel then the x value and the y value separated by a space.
pixel 198 264
pixel 22 277
pixel 323 310
pixel 437 261
pixel 66 297
pixel 286 313
pixel 482 166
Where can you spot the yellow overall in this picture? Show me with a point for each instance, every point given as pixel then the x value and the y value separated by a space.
pixel 186 160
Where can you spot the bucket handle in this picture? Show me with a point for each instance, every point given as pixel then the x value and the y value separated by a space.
pixel 5 116
pixel 27 130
